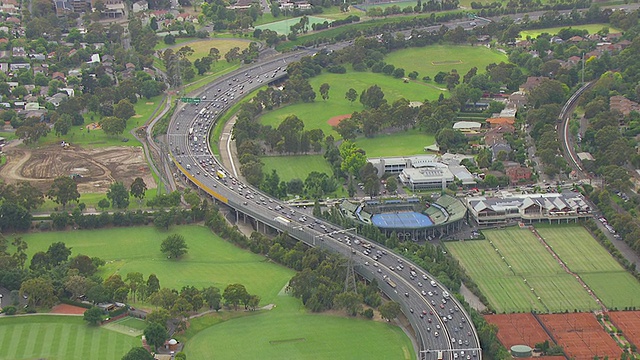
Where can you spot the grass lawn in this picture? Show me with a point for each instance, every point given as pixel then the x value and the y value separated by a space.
pixel 401 4
pixel 591 28
pixel 286 332
pixel 579 250
pixel 291 167
pixel 60 338
pixel 289 332
pixel 299 166
pixel 82 136
pixel 210 261
pixel 501 274
pixel 316 115
pixel 283 26
pixel 408 142
pixel 201 47
pixel 430 60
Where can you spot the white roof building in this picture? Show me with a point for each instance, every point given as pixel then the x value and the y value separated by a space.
pixel 465 126
pixel 508 208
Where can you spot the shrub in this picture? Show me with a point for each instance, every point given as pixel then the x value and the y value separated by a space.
pixel 10 310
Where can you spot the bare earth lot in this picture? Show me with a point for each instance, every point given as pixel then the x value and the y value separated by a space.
pixel 98 167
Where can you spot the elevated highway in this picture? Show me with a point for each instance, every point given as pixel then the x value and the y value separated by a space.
pixel 440 323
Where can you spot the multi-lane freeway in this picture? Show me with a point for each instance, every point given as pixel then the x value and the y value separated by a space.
pixel 441 325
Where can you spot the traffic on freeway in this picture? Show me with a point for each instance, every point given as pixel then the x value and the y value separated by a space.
pixel 443 328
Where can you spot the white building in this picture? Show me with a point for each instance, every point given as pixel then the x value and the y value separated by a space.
pixel 509 208
pixel 427 177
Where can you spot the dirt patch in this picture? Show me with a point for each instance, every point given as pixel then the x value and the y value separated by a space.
pixel 98 168
pixel 148 103
pixel 68 309
pixel 94 126
pixel 334 121
pixel 136 116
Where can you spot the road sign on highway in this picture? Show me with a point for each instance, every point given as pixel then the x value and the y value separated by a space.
pixel 190 100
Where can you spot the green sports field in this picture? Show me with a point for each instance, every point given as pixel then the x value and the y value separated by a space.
pixel 587 258
pixel 210 261
pixel 60 338
pixel 286 332
pixel 291 167
pixel 410 142
pixel 284 26
pixel 289 332
pixel 317 114
pixel 520 256
pixel 591 28
pixel 430 60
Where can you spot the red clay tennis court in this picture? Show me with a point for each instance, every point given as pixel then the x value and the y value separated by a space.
pixel 67 309
pixel 628 322
pixel 581 336
pixel 518 329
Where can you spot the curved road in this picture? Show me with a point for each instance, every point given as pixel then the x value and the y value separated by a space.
pixel 439 321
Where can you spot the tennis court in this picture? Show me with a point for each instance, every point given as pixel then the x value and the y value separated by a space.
pixel 401 220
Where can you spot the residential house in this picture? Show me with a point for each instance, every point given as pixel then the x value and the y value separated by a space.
pixel 4 67
pixel 518 173
pixel 114 8
pixel 58 76
pixel 495 122
pixel 9 9
pixel 532 82
pixel 18 51
pixel 622 104
pixel 19 66
pixel 57 99
pixel 140 6
pixel 37 57
pixel 576 39
pixel 63 8
pixel 498 147
pixel 80 6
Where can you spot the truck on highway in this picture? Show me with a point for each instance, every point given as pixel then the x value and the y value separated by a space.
pixel 282 220
pixel 439 355
pixel 390 282
pixel 220 175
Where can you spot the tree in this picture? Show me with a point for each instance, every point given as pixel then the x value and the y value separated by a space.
pixel 174 246
pixel 164 298
pixel 28 196
pixel 39 292
pixel 118 195
pixel 77 285
pixel 159 316
pixel 214 54
pixel 124 109
pixel 58 253
pixel 112 125
pixel 212 297
pixel 104 204
pixel 349 301
pixel 234 294
pixel 324 91
pixel 135 280
pixel 389 310
pixel 93 315
pixel 138 188
pixel 372 98
pixel 62 125
pixel 351 95
pixel 153 284
pixel 156 335
pixel 85 265
pixel 63 190
pixel 392 184
pixel 138 353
